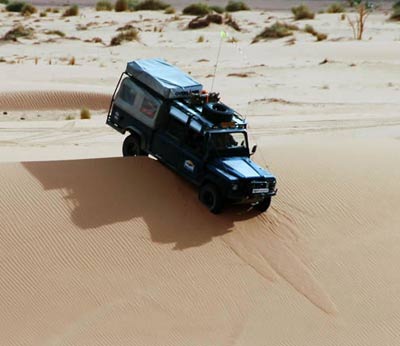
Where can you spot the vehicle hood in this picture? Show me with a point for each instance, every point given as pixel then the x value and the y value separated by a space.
pixel 240 168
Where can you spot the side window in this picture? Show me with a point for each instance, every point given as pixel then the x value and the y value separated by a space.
pixel 128 92
pixel 195 141
pixel 148 107
pixel 175 128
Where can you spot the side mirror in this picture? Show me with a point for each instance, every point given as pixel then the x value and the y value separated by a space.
pixel 253 151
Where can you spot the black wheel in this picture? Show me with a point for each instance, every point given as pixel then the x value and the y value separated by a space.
pixel 211 197
pixel 131 146
pixel 217 112
pixel 264 204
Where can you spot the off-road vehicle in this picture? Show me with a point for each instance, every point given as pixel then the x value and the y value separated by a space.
pixel 168 116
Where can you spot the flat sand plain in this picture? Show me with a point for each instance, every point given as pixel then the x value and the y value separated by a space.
pixel 96 249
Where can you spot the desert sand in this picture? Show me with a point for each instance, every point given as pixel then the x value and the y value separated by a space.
pixel 96 249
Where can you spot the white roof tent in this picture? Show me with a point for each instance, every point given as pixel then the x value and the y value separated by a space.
pixel 165 79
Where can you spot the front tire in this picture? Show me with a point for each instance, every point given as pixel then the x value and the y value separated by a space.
pixel 212 198
pixel 131 146
pixel 263 205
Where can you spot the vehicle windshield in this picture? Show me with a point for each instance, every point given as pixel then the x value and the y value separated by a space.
pixel 229 144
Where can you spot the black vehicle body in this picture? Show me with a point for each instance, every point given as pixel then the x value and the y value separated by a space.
pixel 214 155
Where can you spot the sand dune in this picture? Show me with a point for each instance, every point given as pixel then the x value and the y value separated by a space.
pixel 100 251
pixel 53 99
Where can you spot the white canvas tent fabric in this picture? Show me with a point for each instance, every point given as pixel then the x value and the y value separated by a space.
pixel 165 79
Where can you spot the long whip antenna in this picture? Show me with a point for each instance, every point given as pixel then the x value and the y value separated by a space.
pixel 223 34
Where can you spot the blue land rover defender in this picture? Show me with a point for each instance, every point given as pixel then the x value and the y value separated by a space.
pixel 168 115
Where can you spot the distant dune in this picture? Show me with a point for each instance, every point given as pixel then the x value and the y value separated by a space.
pixel 52 99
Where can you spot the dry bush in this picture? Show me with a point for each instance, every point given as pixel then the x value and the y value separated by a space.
pixel 396 11
pixel 335 8
pixel 85 113
pixel 318 35
pixel 217 9
pixel 125 27
pixel 104 5
pixel 170 10
pixel 309 29
pixel 343 16
pixel 121 5
pixel 55 32
pixel 15 6
pixel 229 20
pixel 275 31
pixel 321 36
pixel 234 6
pixel 200 39
pixel 199 9
pixel 43 14
pixel 28 9
pixel 55 10
pixel 71 11
pixel 151 5
pixel 302 12
pixel 17 32
pixel 128 35
pixel 69 117
pixel 72 61
pixel 357 23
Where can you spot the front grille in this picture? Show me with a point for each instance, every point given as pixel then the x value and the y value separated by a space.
pixel 259 184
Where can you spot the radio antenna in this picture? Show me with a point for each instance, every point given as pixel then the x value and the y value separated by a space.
pixel 223 35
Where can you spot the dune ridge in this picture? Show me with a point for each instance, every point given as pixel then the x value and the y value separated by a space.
pixel 53 100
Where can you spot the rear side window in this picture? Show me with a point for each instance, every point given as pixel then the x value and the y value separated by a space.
pixel 149 107
pixel 128 92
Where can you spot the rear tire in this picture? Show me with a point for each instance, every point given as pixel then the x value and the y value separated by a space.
pixel 263 205
pixel 211 197
pixel 131 146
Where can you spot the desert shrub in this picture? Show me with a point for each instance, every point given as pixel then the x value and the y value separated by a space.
pixel 318 35
pixel 275 31
pixel 200 39
pixel 55 10
pixel 309 29
pixel 395 14
pixel 43 14
pixel 121 5
pixel 69 117
pixel 104 5
pixel 17 32
pixel 321 36
pixel 217 9
pixel 234 6
pixel 28 9
pixel 71 11
pixel 127 35
pixel 170 10
pixel 4 2
pixel 199 9
pixel 55 32
pixel 72 61
pixel 229 20
pixel 85 113
pixel 302 12
pixel 152 5
pixel 15 6
pixel 335 8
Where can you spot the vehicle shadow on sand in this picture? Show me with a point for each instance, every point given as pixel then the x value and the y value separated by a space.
pixel 104 192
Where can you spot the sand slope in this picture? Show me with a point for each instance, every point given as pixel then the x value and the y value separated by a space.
pixel 109 251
